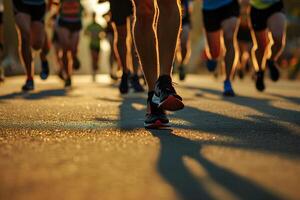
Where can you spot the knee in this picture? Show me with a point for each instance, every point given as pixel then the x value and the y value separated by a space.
pixel 229 36
pixel 37 43
pixel 214 53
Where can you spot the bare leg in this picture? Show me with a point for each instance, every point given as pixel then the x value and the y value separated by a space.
pixel 260 49
pixel 185 44
pixel 277 27
pixel 169 24
pixel 120 45
pixel 145 39
pixel 229 27
pixel 23 22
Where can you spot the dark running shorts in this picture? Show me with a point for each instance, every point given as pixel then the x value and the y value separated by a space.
pixel 244 34
pixel 120 10
pixel 37 13
pixel 213 19
pixel 259 17
pixel 71 26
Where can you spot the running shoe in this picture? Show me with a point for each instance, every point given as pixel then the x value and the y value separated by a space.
pixel 29 85
pixel 228 91
pixel 68 83
pixel 274 72
pixel 211 65
pixel 76 63
pixel 155 116
pixel 182 74
pixel 123 87
pixel 260 85
pixel 165 95
pixel 135 83
pixel 45 70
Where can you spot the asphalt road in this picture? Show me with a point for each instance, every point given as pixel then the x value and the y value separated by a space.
pixel 89 143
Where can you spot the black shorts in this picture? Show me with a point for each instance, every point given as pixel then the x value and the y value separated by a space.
pixel 213 19
pixel 244 34
pixel 120 10
pixel 71 26
pixel 259 17
pixel 1 18
pixel 37 13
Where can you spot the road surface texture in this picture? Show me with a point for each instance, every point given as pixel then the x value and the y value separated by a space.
pixel 89 143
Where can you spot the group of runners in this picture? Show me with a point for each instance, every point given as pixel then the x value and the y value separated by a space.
pixel 148 34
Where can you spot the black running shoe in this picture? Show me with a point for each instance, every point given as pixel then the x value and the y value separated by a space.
pixel 181 71
pixel 76 63
pixel 29 85
pixel 165 95
pixel 68 83
pixel 211 65
pixel 123 87
pixel 260 85
pixel 135 83
pixel 45 70
pixel 274 72
pixel 155 117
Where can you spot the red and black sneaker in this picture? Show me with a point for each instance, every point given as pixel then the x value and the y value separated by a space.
pixel 155 117
pixel 165 95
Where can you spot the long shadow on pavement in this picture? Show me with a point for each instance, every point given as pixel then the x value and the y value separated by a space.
pixel 262 105
pixel 258 134
pixel 172 168
pixel 36 95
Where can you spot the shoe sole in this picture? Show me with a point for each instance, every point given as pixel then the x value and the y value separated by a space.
pixel 171 103
pixel 156 125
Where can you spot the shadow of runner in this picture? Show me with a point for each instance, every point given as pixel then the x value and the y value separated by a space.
pixel 35 96
pixel 262 105
pixel 172 169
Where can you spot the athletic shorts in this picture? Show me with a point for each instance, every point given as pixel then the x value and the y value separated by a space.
pixel 259 17
pixel 71 26
pixel 120 10
pixel 37 13
pixel 213 19
pixel 244 34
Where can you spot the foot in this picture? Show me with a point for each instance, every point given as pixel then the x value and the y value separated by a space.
pixel 260 85
pixel 76 64
pixel 182 73
pixel 165 95
pixel 274 72
pixel 124 84
pixel 61 75
pixel 135 83
pixel 113 77
pixel 28 86
pixel 155 117
pixel 68 83
pixel 45 70
pixel 228 91
pixel 211 65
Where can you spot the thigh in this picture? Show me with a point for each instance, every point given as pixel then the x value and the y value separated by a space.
pixel 229 27
pixel 277 25
pixel 23 21
pixel 74 40
pixel 63 37
pixel 37 34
